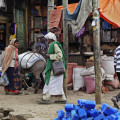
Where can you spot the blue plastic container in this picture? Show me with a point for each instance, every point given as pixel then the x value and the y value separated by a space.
pixel 76 108
pixel 68 114
pixel 69 107
pixel 99 112
pixel 117 114
pixel 100 117
pixel 81 102
pixel 88 113
pixel 60 114
pixel 82 113
pixel 112 117
pixel 90 118
pixel 74 115
pixel 64 118
pixel 56 119
pixel 69 118
pixel 94 113
pixel 107 109
pixel 89 104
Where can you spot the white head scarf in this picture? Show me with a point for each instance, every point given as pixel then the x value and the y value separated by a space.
pixel 51 35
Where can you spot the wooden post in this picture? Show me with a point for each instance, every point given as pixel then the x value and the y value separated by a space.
pixel 96 43
pixel 26 25
pixel 50 7
pixel 65 43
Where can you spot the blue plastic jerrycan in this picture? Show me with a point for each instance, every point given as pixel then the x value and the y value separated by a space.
pixel 100 117
pixel 60 114
pixel 64 118
pixel 90 118
pixel 89 104
pixel 76 108
pixel 107 109
pixel 94 113
pixel 81 102
pixel 69 107
pixel 117 114
pixel 113 117
pixel 74 115
pixel 56 119
pixel 82 113
pixel 68 114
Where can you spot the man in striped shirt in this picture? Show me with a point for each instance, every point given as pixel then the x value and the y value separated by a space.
pixel 117 74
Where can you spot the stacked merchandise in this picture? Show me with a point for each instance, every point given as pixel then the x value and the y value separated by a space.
pixel 85 110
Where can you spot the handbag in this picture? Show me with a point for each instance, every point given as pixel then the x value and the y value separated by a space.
pixel 4 81
pixel 58 68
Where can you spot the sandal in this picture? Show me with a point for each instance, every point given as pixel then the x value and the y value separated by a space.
pixel 41 101
pixel 61 102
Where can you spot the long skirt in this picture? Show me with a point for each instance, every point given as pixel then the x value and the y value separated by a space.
pixel 14 80
pixel 55 86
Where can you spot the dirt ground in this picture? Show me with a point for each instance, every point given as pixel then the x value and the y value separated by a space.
pixel 24 103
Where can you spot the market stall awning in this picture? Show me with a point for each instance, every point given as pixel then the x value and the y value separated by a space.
pixel 109 10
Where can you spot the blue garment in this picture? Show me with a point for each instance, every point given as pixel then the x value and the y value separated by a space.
pixel 14 79
pixel 73 16
pixel 106 25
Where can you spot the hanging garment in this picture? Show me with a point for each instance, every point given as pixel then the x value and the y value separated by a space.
pixel 56 19
pixel 85 9
pixel 73 16
pixel 81 32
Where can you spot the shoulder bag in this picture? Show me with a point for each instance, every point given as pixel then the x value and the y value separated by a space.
pixel 58 68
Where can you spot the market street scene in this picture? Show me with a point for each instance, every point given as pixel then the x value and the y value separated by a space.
pixel 59 60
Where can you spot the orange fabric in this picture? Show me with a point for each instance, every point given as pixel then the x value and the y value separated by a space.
pixel 109 10
pixel 71 7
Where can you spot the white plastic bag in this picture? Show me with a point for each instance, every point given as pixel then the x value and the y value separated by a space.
pixel 27 59
pixel 4 80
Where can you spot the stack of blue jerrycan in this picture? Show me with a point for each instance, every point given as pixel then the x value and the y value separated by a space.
pixel 85 110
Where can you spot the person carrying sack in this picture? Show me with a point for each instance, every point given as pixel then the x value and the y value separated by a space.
pixel 53 84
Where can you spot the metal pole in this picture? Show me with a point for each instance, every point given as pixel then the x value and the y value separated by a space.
pixel 96 43
pixel 65 43
pixel 50 7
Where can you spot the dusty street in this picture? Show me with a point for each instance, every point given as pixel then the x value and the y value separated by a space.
pixel 26 104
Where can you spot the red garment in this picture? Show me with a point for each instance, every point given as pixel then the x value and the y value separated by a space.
pixel 56 20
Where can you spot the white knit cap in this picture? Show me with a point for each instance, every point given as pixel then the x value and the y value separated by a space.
pixel 51 35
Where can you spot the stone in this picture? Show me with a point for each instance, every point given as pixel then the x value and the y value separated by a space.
pixel 1 115
pixel 17 116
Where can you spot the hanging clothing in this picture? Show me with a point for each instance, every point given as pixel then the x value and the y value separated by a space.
pixel 85 9
pixel 55 20
pixel 73 16
pixel 81 32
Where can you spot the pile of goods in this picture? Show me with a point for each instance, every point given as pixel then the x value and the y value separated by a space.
pixel 85 110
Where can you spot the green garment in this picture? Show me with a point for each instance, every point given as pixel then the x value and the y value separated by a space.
pixel 49 62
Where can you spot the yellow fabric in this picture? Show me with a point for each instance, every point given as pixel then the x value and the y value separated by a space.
pixel 8 56
pixel 13 36
pixel 109 10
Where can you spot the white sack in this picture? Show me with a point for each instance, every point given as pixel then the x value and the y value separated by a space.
pixel 78 81
pixel 88 71
pixel 108 65
pixel 27 59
